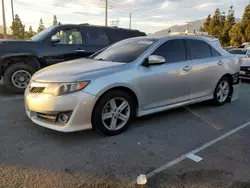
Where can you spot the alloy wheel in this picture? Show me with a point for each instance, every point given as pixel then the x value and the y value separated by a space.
pixel 116 113
pixel 223 91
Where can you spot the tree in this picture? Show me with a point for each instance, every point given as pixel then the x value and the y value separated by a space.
pixel 41 26
pixel 245 24
pixel 222 19
pixel 30 33
pixel 236 35
pixel 55 22
pixel 229 23
pixel 215 24
pixel 18 29
pixel 206 24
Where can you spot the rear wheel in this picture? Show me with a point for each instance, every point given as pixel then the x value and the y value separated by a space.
pixel 222 91
pixel 17 76
pixel 113 113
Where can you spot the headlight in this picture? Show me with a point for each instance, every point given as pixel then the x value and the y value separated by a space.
pixel 64 88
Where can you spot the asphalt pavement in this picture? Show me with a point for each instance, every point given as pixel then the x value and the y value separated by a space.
pixel 29 152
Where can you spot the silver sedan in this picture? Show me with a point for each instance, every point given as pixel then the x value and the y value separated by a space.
pixel 131 78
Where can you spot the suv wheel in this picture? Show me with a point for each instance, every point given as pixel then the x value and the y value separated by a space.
pixel 113 113
pixel 222 91
pixel 17 77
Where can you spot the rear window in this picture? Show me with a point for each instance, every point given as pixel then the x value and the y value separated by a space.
pixel 242 52
pixel 198 49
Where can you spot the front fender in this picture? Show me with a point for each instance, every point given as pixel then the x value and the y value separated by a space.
pixel 17 55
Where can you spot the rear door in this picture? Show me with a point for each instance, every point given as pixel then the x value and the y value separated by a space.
pixel 96 38
pixel 207 67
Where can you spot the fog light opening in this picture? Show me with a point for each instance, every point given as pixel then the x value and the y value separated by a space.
pixel 63 118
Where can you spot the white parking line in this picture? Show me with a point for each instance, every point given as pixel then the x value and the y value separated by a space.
pixel 181 158
pixel 217 127
pixel 10 99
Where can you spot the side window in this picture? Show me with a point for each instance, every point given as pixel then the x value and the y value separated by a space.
pixel 70 36
pixel 198 49
pixel 116 36
pixel 214 52
pixel 172 51
pixel 98 37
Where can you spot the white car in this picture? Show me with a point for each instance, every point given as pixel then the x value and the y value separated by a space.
pixel 244 54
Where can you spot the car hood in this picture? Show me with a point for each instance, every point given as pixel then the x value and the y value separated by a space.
pixel 76 70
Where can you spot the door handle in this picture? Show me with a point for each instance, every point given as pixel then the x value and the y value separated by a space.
pixel 220 63
pixel 187 68
pixel 79 50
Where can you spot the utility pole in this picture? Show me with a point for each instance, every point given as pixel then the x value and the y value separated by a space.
pixel 106 13
pixel 130 17
pixel 12 8
pixel 4 21
pixel 115 23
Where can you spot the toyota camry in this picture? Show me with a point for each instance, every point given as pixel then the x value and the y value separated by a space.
pixel 132 78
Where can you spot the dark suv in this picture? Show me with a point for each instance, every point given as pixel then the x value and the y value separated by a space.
pixel 20 59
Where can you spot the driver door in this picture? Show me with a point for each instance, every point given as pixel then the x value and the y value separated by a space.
pixel 71 46
pixel 169 83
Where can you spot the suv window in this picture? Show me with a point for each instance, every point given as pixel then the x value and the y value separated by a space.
pixel 198 49
pixel 70 36
pixel 172 51
pixel 97 37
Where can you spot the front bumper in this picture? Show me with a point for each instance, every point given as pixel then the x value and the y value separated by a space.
pixel 80 103
pixel 245 72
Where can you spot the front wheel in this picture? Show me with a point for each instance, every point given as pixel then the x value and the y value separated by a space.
pixel 222 91
pixel 17 77
pixel 113 113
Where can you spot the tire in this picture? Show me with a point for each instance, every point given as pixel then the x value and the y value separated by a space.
pixel 222 96
pixel 14 72
pixel 104 106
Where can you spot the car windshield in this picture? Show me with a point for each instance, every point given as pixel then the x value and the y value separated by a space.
pixel 241 52
pixel 125 51
pixel 42 34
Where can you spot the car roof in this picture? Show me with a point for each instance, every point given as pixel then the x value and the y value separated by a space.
pixel 97 26
pixel 203 38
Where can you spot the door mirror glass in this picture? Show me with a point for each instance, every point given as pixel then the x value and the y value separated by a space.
pixel 156 60
pixel 55 39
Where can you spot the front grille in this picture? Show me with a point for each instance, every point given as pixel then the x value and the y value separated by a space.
pixel 37 89
pixel 47 117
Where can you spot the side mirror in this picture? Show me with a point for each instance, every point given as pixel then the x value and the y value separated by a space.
pixel 156 60
pixel 55 39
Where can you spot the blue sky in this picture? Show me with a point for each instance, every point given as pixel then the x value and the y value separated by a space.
pixel 147 15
